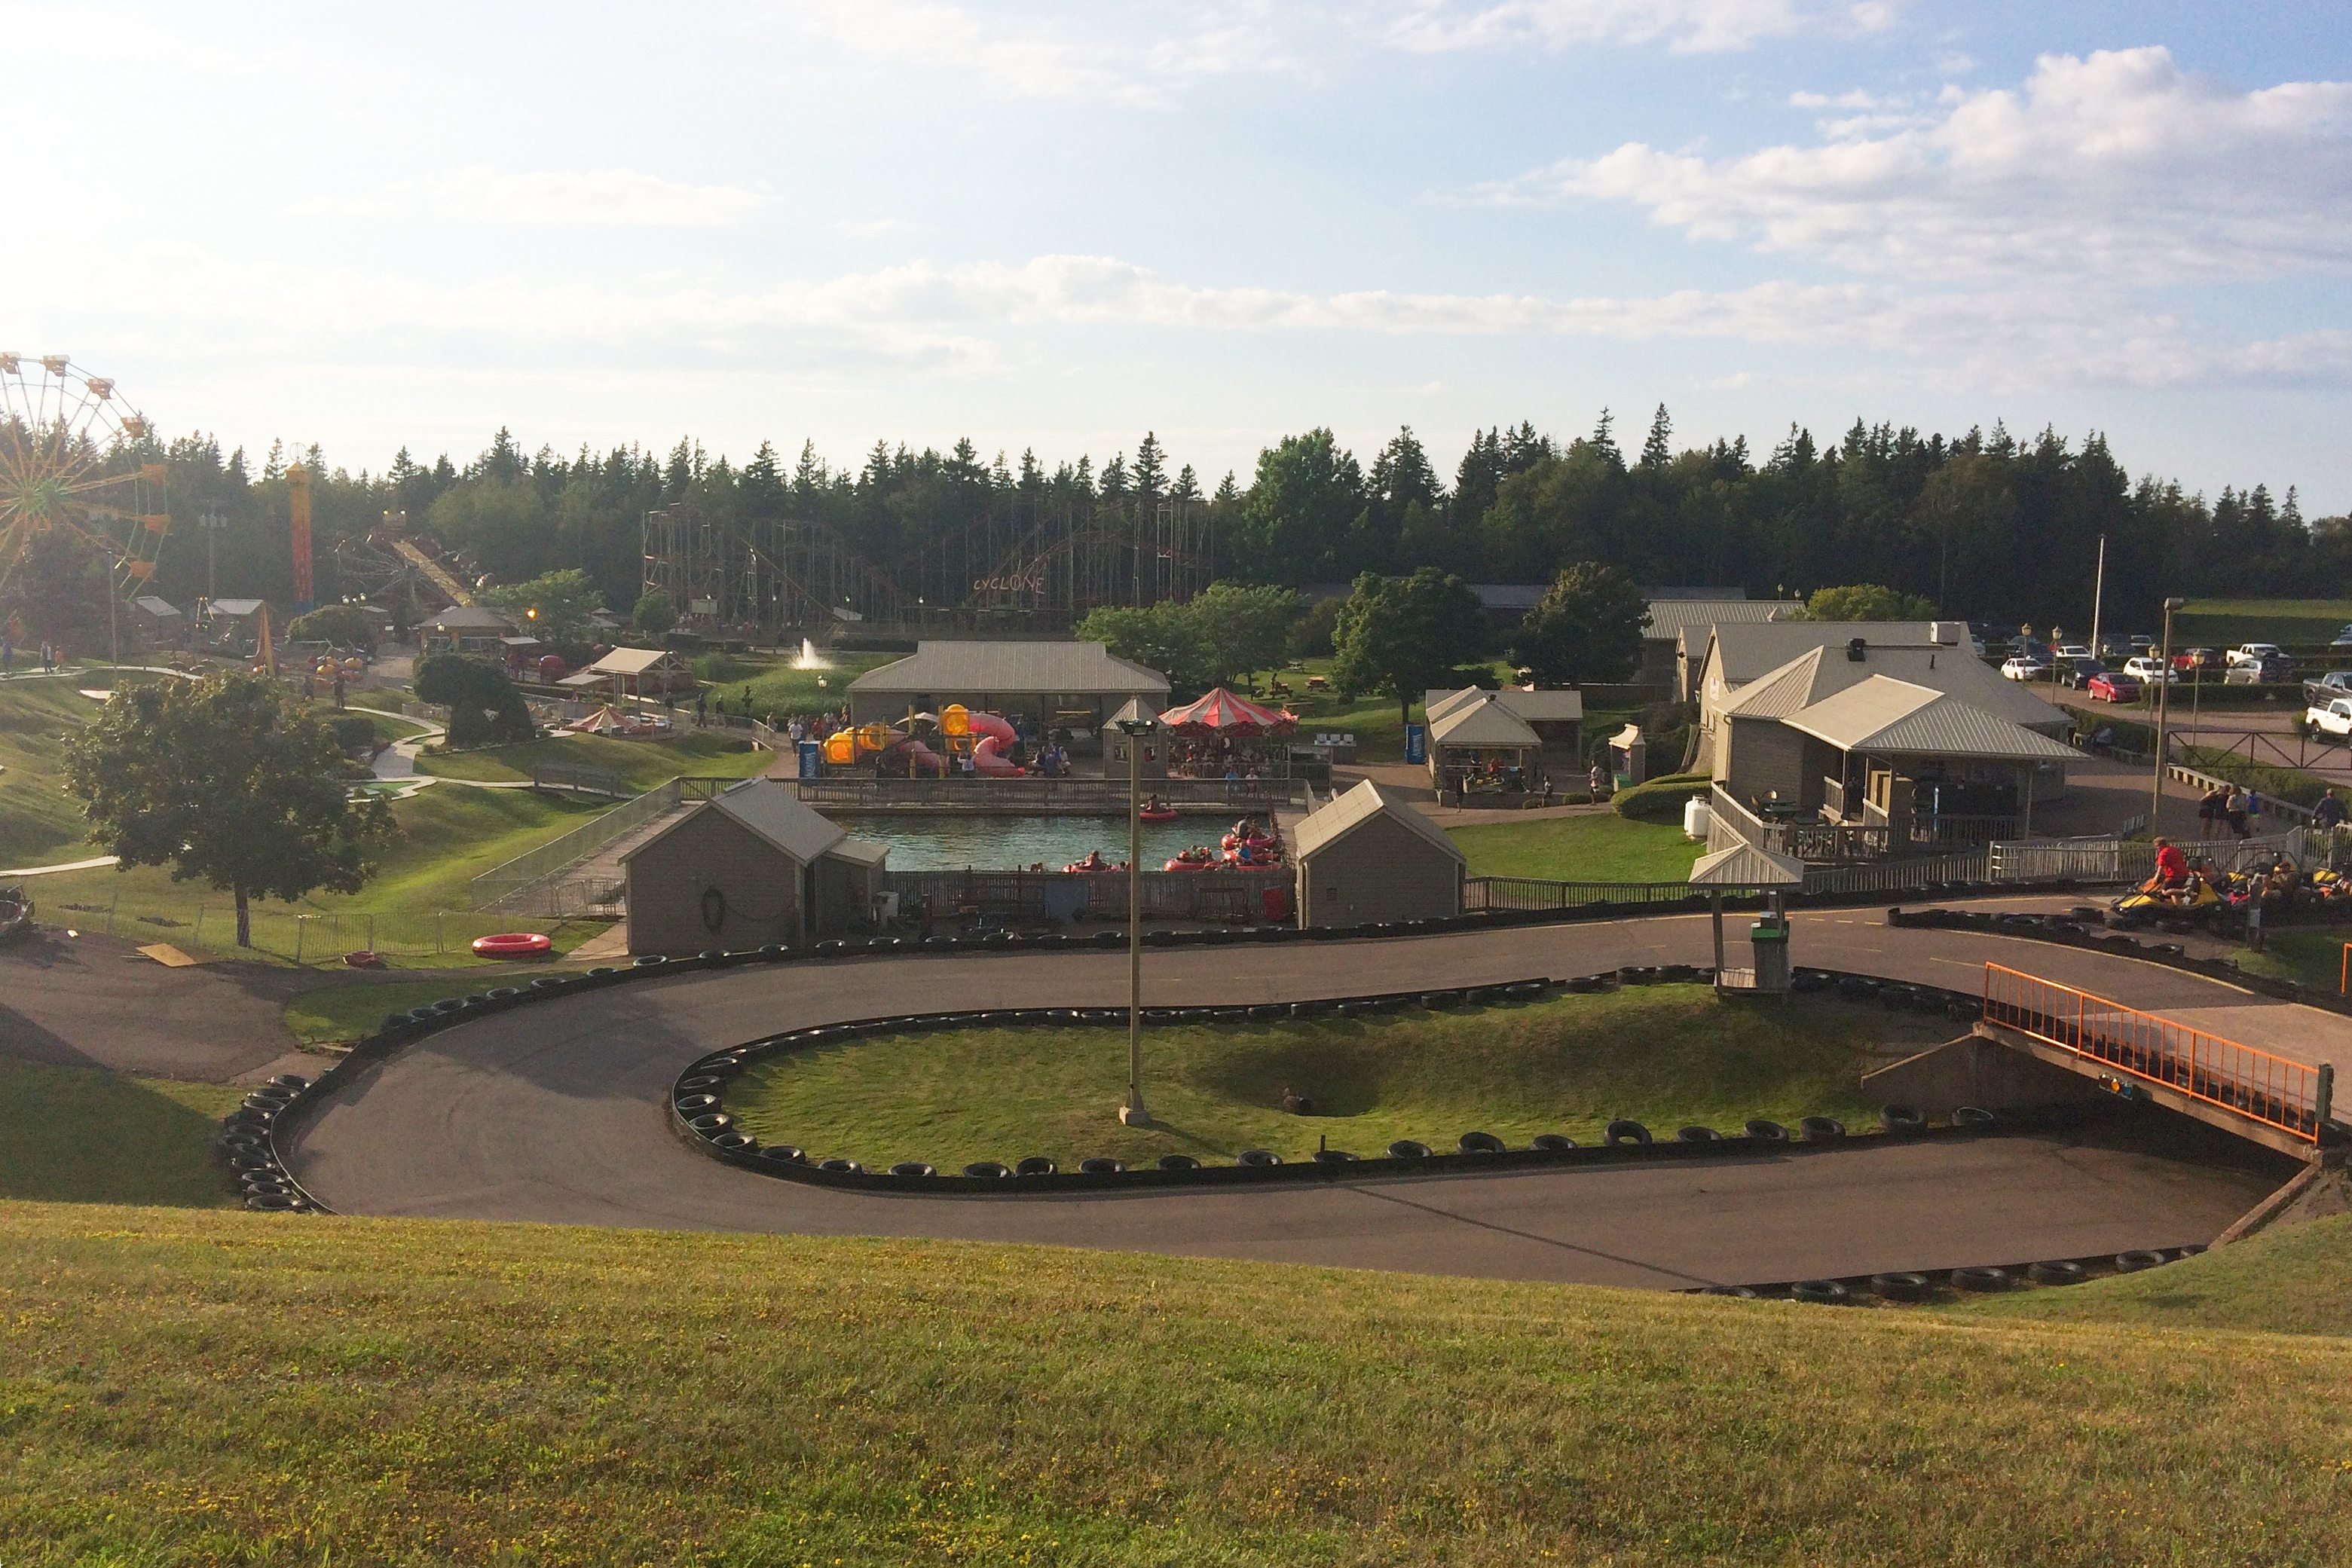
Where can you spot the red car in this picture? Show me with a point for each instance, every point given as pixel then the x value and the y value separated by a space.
pixel 2114 686
pixel 2195 659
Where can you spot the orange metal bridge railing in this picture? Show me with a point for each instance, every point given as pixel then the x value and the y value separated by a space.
pixel 2293 1096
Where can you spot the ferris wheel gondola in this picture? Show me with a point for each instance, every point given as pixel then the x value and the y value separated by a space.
pixel 73 462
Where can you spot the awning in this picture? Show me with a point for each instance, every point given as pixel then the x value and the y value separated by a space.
pixel 1223 713
pixel 1744 865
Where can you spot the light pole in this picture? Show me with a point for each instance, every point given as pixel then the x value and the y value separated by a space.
pixel 2163 689
pixel 214 521
pixel 1136 722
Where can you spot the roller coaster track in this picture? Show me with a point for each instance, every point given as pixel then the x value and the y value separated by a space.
pixel 440 574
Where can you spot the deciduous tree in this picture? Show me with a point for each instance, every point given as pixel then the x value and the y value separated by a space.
pixel 1585 628
pixel 1399 636
pixel 228 780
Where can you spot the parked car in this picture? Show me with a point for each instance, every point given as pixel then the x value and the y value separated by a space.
pixel 2146 667
pixel 2256 652
pixel 2343 639
pixel 2323 689
pixel 2141 642
pixel 2113 686
pixel 2259 672
pixel 2076 675
pixel 2333 718
pixel 2074 650
pixel 2190 660
pixel 2024 667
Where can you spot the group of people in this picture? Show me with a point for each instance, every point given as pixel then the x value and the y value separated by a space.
pixel 2182 881
pixel 49 656
pixel 2230 808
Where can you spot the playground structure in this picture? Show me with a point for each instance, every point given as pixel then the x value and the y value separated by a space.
pixel 65 435
pixel 1027 566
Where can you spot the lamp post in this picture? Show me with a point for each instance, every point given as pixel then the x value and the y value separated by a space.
pixel 1135 722
pixel 214 520
pixel 2163 689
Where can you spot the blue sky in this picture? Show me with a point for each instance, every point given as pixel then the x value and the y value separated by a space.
pixel 1061 225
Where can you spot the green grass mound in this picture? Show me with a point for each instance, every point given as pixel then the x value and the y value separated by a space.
pixel 83 1135
pixel 1596 847
pixel 197 1387
pixel 642 765
pixel 2291 1279
pixel 40 821
pixel 1664 1055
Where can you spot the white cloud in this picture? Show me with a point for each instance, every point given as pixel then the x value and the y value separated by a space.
pixel 619 197
pixel 982 316
pixel 1038 57
pixel 2118 165
pixel 1686 26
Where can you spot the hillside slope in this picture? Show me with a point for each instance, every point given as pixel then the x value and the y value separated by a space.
pixel 206 1387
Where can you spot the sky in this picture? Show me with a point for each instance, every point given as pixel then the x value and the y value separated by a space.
pixel 1056 226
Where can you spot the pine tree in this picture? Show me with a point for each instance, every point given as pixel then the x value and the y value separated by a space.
pixel 1151 469
pixel 1114 477
pixel 1659 450
pixel 1187 486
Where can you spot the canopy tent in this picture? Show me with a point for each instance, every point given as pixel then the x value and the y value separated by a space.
pixel 1223 713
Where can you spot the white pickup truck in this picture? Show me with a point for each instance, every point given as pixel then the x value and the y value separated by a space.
pixel 2334 718
pixel 2256 652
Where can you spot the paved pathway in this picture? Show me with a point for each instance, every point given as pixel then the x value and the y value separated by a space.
pixel 555 1113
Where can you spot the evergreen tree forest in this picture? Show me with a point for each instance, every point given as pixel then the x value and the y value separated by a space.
pixel 1982 524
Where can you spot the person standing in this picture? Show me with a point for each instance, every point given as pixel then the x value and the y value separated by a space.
pixel 2234 811
pixel 339 689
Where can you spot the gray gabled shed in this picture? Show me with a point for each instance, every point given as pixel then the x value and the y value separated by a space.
pixel 750 866
pixel 1367 856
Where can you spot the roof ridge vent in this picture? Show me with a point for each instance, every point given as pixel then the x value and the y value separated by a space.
pixel 1856 649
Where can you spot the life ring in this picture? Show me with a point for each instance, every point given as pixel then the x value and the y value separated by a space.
pixel 514 945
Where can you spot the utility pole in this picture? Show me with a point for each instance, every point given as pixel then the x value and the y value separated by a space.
pixel 213 521
pixel 1135 723
pixel 2163 689
pixel 2098 595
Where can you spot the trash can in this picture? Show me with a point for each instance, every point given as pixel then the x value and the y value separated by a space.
pixel 1771 940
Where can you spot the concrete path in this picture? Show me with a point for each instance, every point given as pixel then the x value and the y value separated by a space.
pixel 97 862
pixel 555 1113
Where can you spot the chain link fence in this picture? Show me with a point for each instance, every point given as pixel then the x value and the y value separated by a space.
pixel 300 937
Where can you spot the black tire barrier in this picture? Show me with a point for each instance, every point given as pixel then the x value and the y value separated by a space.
pixel 988 1170
pixel 1408 1149
pixel 273 1202
pixel 1975 1117
pixel 1765 1132
pixel 1179 1163
pixel 1624 1131
pixel 693 1105
pixel 290 1081
pixel 703 1083
pixel 501 993
pixel 1582 984
pixel 2190 1250
pixel 1821 1293
pixel 260 1160
pixel 1435 1001
pixel 1481 1143
pixel 1551 1142
pixel 2139 1260
pixel 1736 1292
pixel 1258 1158
pixel 1696 1135
pixel 1903 1120
pixel 1981 1281
pixel 784 1154
pixel 1100 1165
pixel 1855 988
pixel 547 983
pixel 710 1123
pixel 912 1169
pixel 1332 1156
pixel 648 961
pixel 1035 1166
pixel 1268 1012
pixel 736 1143
pixel 2060 1272
pixel 1821 1129
pixel 1901 1286
pixel 842 1167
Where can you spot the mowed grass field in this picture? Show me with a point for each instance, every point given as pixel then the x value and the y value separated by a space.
pixel 1664 1055
pixel 186 1386
pixel 40 821
pixel 1599 847
pixel 2226 622
pixel 83 1135
pixel 642 764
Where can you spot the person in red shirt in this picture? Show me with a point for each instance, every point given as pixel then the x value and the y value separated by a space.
pixel 2171 866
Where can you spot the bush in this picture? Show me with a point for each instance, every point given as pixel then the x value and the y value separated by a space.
pixel 1661 800
pixel 353 732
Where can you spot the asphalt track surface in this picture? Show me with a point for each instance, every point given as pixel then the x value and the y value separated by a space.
pixel 556 1113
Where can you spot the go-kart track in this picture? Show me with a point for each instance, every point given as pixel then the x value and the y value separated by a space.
pixel 557 1113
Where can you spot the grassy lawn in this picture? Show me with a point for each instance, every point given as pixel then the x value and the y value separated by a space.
pixel 1664 1055
pixel 215 1387
pixel 2291 1279
pixel 2313 955
pixel 778 688
pixel 1601 847
pixel 352 1011
pixel 82 1134
pixel 446 835
pixel 2226 622
pixel 642 764
pixel 40 823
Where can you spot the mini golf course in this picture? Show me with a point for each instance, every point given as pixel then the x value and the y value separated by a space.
pixel 1664 1055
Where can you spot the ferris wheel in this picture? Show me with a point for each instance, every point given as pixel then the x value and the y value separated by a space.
pixel 67 468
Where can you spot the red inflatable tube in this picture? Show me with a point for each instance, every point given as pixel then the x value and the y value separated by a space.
pixel 514 945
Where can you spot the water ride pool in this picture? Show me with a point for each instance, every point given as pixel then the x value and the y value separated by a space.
pixel 920 841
